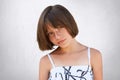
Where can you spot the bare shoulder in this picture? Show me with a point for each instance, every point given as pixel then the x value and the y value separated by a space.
pixel 96 57
pixel 44 61
pixel 96 63
pixel 44 68
pixel 95 53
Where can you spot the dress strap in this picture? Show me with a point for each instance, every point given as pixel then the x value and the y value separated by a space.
pixel 53 65
pixel 89 56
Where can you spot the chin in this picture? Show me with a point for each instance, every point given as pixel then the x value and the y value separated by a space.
pixel 63 46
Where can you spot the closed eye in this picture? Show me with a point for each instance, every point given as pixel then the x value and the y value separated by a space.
pixel 50 33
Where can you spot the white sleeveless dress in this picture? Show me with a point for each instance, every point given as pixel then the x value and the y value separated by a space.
pixel 71 72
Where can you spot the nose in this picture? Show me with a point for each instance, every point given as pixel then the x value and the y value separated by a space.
pixel 57 34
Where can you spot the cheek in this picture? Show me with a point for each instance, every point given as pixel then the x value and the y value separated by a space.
pixel 66 34
pixel 52 40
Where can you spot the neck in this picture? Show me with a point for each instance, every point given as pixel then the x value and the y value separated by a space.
pixel 73 46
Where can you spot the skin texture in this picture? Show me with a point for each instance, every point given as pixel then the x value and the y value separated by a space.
pixel 68 46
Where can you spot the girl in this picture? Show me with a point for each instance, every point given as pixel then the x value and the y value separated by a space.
pixel 71 60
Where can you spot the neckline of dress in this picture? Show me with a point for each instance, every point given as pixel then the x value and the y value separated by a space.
pixel 70 66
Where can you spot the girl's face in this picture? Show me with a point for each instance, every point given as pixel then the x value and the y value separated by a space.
pixel 59 36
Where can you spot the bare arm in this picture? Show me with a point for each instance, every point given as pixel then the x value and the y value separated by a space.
pixel 44 68
pixel 97 65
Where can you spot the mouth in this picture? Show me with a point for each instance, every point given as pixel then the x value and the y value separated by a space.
pixel 61 41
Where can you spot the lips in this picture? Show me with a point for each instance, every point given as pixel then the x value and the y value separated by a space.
pixel 61 41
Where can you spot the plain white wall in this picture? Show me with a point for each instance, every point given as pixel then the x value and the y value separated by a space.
pixel 98 22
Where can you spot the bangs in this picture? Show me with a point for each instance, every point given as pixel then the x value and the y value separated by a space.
pixel 55 19
pixel 55 24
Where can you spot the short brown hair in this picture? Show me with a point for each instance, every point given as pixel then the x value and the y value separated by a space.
pixel 56 15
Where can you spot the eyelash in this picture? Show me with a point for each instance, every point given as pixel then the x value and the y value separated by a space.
pixel 52 33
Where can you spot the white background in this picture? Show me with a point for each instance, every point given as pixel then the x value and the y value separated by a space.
pixel 98 22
